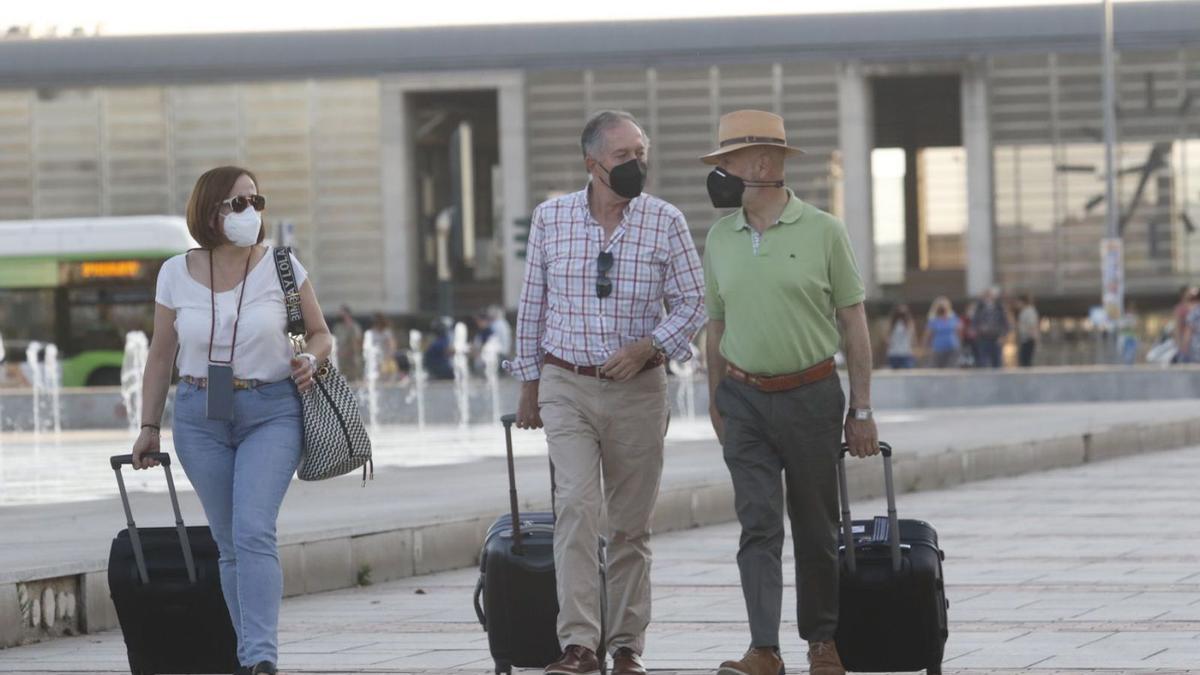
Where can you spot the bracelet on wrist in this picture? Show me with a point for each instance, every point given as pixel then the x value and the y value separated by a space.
pixel 657 346
pixel 152 426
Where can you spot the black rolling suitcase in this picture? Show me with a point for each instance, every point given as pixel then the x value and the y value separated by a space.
pixel 166 586
pixel 893 595
pixel 516 599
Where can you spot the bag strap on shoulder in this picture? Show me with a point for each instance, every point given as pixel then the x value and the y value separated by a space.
pixel 291 293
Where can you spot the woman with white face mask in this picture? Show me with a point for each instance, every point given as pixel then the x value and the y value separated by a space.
pixel 239 443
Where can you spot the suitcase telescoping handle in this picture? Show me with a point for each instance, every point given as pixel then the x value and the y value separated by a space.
pixel 893 520
pixel 518 547
pixel 117 461
pixel 518 544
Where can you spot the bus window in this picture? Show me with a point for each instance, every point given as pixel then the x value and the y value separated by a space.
pixel 99 318
pixel 25 315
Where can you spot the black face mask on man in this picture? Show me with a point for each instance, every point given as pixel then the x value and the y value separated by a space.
pixel 626 179
pixel 725 189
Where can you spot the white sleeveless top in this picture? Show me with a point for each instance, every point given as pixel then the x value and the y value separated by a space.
pixel 263 349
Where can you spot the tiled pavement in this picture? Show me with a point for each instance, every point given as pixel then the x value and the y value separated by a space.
pixel 1092 569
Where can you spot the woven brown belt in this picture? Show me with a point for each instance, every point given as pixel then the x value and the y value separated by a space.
pixel 774 383
pixel 594 371
pixel 202 382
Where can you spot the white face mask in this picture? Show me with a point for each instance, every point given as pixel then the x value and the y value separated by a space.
pixel 241 229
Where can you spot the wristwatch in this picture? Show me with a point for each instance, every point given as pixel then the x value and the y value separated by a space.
pixel 860 414
pixel 312 360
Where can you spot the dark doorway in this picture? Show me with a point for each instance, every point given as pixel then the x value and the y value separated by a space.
pixel 918 130
pixel 456 155
pixel 917 111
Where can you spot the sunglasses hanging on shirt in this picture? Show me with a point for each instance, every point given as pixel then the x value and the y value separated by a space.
pixel 604 265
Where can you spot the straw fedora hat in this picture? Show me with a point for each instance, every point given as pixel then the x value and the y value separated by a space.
pixel 747 128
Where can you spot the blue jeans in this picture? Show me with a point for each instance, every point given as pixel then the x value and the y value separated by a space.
pixel 241 469
pixel 902 362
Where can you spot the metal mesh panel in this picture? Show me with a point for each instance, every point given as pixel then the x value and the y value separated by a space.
pixel 680 109
pixel 1049 169
pixel 129 151
pixel 66 161
pixel 16 155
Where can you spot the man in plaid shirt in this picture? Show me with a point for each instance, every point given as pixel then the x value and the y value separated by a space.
pixel 592 338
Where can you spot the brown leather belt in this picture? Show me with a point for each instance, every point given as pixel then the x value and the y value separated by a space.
pixel 202 382
pixel 594 371
pixel 774 383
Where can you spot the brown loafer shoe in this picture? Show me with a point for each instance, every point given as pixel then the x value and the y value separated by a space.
pixel 627 662
pixel 757 661
pixel 823 659
pixel 575 660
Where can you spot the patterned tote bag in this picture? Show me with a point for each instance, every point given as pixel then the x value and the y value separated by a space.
pixel 335 439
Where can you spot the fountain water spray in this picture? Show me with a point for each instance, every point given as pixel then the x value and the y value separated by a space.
pixel 2 353
pixel 133 371
pixel 490 353
pixel 416 358
pixel 35 381
pixel 462 374
pixel 53 382
pixel 372 363
pixel 685 372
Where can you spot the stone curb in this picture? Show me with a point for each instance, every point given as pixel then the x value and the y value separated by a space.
pixel 91 408
pixel 323 563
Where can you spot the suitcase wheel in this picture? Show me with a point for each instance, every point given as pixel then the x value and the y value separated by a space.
pixel 503 668
pixel 934 670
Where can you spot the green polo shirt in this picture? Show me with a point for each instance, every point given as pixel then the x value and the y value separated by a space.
pixel 778 302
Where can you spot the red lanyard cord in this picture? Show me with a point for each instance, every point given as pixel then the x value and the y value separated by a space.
pixel 212 330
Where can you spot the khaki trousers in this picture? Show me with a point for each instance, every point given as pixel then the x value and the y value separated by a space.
pixel 606 442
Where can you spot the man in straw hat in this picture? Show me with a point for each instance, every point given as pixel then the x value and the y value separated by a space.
pixel 778 271
pixel 592 337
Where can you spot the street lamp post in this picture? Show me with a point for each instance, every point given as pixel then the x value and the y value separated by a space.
pixel 1111 252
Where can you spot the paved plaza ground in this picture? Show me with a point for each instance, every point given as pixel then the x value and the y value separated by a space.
pixel 74 536
pixel 1093 569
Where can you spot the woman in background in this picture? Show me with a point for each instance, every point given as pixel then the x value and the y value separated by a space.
pixel 900 339
pixel 943 334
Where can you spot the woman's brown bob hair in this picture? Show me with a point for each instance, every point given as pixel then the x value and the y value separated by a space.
pixel 203 206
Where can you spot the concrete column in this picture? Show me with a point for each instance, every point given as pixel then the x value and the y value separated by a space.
pixel 977 141
pixel 856 139
pixel 401 247
pixel 514 168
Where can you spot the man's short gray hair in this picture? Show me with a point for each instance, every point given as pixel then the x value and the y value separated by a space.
pixel 591 141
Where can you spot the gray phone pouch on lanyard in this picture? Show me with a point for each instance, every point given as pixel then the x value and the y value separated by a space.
pixel 220 392
pixel 219 401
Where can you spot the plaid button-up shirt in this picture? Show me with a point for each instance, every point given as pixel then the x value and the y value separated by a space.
pixel 654 261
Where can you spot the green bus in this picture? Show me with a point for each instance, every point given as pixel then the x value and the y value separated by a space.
pixel 83 283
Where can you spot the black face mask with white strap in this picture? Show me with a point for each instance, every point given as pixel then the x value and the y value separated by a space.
pixel 725 189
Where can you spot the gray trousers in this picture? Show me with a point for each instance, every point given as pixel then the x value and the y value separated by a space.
pixel 797 434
